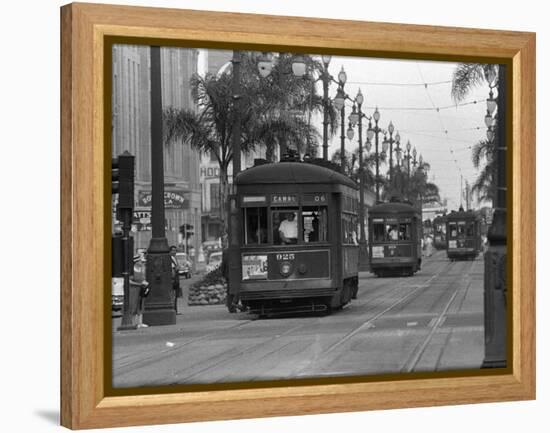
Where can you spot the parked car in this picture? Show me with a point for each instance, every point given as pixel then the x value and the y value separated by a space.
pixel 214 261
pixel 185 265
pixel 117 291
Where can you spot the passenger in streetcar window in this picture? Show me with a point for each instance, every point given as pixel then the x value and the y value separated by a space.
pixel 393 234
pixel 288 229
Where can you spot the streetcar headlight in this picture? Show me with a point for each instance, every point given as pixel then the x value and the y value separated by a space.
pixel 285 269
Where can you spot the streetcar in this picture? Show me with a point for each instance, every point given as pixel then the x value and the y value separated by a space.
pixel 463 235
pixel 395 230
pixel 293 238
pixel 440 232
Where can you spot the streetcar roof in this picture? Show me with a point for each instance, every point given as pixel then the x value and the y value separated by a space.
pixel 458 215
pixel 292 172
pixel 393 208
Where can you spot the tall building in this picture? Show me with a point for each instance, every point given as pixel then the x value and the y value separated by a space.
pixel 131 127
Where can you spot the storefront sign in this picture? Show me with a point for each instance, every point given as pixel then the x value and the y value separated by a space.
pixel 172 199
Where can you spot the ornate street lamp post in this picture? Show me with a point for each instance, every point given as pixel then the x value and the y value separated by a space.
pixel 390 142
pixel 340 105
pixel 356 119
pixel 326 79
pixel 408 168
pixel 373 132
pixel 159 306
pixel 495 258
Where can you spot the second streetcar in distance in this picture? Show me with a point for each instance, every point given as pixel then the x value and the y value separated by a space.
pixel 395 233
pixel 463 235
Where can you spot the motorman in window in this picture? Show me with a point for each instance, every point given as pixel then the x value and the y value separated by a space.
pixel 288 229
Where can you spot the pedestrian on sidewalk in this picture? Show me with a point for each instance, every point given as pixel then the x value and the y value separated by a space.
pixel 428 244
pixel 138 280
pixel 178 293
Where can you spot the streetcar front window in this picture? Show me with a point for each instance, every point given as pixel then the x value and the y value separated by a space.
pixel 255 232
pixel 314 224
pixel 470 229
pixel 453 232
pixel 461 228
pixel 378 232
pixel 392 232
pixel 404 231
pixel 285 226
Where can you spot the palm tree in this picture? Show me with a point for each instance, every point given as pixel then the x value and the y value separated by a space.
pixel 208 130
pixel 284 106
pixel 351 166
pixel 465 77
pixel 266 115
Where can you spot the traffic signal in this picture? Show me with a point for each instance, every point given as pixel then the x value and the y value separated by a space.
pixel 120 261
pixel 187 230
pixel 122 171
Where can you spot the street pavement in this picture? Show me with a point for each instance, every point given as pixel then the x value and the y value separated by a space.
pixel 432 321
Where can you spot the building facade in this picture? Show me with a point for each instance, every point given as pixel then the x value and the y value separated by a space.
pixel 131 127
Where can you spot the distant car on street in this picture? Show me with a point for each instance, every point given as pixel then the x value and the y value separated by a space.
pixel 185 265
pixel 214 261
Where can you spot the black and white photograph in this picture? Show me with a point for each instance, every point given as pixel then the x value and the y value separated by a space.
pixel 287 216
pixel 244 216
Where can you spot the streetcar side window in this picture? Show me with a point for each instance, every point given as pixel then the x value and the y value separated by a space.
pixel 255 232
pixel 349 229
pixel 285 226
pixel 314 224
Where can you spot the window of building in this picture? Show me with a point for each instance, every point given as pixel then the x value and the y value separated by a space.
pixel 314 224
pixel 214 197
pixel 255 225
pixel 285 226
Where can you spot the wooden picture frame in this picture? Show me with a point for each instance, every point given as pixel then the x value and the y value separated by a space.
pixel 85 27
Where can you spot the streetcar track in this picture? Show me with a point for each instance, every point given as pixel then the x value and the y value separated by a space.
pixel 371 304
pixel 366 324
pixel 167 353
pixel 419 350
pixel 238 352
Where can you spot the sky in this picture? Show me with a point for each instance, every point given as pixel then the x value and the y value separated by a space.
pixel 416 97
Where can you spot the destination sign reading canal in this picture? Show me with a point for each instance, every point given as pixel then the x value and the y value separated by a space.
pixel 284 199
